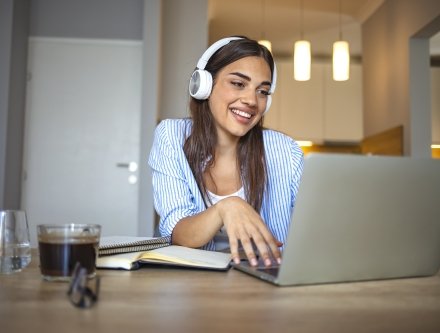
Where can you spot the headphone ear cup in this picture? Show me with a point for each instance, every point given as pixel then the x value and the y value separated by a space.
pixel 268 103
pixel 200 84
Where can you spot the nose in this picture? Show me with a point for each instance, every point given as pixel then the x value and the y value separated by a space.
pixel 249 97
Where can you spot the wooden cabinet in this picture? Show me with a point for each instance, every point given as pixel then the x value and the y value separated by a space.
pixel 321 110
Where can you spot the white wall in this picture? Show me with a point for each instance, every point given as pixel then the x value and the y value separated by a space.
pixel 388 77
pixel 185 38
pixel 99 19
pixel 175 35
pixel 151 78
pixel 435 104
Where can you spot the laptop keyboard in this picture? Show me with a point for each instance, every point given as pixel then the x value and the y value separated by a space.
pixel 269 270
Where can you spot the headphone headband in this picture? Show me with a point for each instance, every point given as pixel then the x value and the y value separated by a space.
pixel 201 64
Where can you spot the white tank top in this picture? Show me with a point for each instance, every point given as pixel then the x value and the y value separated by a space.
pixel 216 198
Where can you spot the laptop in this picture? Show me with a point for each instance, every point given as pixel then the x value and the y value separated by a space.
pixel 359 218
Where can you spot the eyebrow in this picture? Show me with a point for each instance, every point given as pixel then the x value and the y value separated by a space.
pixel 247 78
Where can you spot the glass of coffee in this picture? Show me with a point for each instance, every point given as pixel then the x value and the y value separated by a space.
pixel 61 246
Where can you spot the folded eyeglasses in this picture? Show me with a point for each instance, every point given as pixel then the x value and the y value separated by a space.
pixel 80 294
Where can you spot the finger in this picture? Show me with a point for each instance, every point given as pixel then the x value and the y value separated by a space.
pixel 263 249
pixel 272 245
pixel 275 249
pixel 246 243
pixel 233 245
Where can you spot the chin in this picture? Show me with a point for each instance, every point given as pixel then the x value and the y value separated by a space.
pixel 241 132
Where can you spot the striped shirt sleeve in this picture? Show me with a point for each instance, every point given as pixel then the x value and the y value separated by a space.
pixel 176 194
pixel 284 169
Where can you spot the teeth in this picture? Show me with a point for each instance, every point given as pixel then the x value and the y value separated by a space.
pixel 242 113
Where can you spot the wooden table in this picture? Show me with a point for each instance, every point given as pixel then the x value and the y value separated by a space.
pixel 163 299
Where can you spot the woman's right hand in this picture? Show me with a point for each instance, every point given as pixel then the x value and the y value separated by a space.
pixel 244 225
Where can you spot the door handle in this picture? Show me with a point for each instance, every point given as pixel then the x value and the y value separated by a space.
pixel 131 166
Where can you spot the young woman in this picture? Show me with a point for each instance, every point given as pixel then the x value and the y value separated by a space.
pixel 221 181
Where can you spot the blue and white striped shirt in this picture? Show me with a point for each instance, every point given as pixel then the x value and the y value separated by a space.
pixel 176 194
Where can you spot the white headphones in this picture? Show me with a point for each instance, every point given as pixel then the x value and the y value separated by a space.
pixel 200 84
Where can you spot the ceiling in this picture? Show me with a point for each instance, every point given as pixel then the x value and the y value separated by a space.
pixel 280 22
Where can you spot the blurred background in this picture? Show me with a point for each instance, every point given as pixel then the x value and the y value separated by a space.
pixel 84 83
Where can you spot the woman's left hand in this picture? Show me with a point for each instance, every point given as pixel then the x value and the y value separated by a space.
pixel 244 225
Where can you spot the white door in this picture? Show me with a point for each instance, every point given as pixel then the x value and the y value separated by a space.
pixel 82 131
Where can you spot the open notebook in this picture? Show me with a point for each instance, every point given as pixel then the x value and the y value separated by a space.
pixel 361 218
pixel 124 252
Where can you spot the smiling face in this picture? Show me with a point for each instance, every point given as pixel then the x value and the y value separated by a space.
pixel 239 97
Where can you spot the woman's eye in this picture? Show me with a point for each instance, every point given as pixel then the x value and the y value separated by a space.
pixel 238 84
pixel 264 92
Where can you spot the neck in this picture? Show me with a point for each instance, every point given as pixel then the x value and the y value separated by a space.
pixel 226 145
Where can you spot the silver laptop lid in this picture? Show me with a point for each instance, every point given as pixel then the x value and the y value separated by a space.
pixel 363 218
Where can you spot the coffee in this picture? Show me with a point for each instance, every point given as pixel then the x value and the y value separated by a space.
pixel 63 246
pixel 59 259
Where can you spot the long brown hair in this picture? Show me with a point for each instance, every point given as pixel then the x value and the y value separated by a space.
pixel 200 145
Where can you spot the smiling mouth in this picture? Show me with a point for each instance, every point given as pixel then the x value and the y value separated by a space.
pixel 241 113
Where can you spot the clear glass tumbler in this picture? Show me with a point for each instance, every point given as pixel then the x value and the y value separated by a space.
pixel 15 250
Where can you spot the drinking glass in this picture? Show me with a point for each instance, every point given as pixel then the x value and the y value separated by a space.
pixel 62 246
pixel 15 250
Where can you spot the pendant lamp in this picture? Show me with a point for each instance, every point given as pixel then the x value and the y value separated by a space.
pixel 341 56
pixel 302 54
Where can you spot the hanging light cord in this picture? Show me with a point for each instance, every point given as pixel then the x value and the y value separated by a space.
pixel 301 20
pixel 262 18
pixel 340 21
